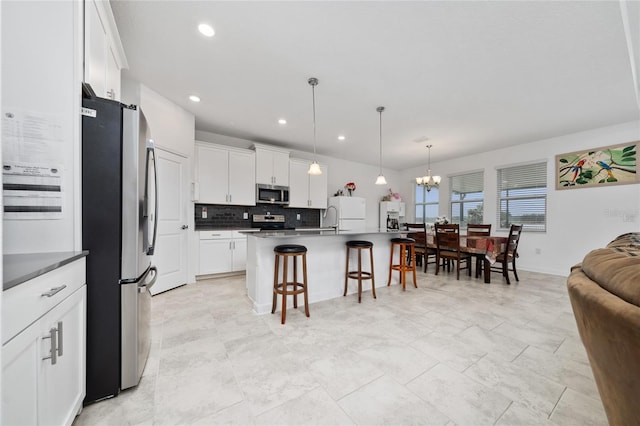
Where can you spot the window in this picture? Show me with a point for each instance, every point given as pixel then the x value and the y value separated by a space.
pixel 467 198
pixel 426 204
pixel 522 196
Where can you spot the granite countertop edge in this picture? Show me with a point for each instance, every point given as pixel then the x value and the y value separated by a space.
pixel 20 268
pixel 314 233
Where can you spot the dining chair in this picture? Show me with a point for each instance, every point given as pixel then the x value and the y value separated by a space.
pixel 478 230
pixel 448 247
pixel 509 254
pixel 418 231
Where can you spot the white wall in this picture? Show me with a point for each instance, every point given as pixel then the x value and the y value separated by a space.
pixel 41 73
pixel 578 220
pixel 340 172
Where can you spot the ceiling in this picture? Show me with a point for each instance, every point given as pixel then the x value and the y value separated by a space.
pixel 468 76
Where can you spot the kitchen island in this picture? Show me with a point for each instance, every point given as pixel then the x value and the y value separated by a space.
pixel 326 257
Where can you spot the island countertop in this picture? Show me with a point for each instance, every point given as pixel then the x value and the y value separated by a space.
pixel 326 262
pixel 311 232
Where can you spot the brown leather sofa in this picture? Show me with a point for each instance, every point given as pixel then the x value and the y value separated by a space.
pixel 605 296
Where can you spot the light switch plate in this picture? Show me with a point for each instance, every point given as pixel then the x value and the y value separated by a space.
pixel 245 215
pixel 204 212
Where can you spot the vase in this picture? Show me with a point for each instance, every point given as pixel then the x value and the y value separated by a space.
pixel 350 191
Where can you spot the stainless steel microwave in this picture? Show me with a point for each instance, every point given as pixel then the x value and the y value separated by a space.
pixel 271 194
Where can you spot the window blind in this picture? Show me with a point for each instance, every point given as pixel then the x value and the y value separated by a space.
pixel 522 196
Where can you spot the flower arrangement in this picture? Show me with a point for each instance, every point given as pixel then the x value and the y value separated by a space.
pixel 442 220
pixel 392 196
pixel 350 186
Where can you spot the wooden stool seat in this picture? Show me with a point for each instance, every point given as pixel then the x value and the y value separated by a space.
pixel 359 274
pixel 284 287
pixel 407 247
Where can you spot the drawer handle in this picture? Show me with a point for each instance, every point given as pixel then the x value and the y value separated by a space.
pixel 54 291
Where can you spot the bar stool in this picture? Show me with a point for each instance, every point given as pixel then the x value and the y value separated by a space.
pixel 359 274
pixel 407 247
pixel 285 287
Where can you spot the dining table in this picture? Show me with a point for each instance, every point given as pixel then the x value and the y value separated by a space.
pixel 487 248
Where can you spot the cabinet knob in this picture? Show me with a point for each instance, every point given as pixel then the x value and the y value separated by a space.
pixel 184 227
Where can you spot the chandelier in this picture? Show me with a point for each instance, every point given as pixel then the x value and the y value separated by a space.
pixel 428 181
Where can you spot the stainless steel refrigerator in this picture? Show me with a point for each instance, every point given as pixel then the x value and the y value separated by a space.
pixel 119 228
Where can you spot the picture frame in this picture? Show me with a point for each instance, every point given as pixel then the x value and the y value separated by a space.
pixel 598 167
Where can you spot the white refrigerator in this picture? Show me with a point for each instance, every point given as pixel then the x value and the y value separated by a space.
pixel 349 213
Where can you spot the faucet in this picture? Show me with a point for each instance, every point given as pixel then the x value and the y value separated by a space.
pixel 335 226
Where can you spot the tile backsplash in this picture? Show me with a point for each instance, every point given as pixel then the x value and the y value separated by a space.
pixel 232 217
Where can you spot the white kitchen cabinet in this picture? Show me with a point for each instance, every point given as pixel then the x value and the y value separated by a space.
pixel 38 388
pixel 222 251
pixel 103 53
pixel 225 175
pixel 272 165
pixel 307 191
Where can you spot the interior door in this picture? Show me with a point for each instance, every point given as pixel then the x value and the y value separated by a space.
pixel 170 255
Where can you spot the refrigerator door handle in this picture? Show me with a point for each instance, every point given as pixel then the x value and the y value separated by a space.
pixel 151 158
pixel 142 287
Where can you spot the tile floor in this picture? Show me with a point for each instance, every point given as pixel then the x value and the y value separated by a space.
pixel 449 352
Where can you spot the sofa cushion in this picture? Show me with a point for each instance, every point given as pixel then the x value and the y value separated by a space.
pixel 616 267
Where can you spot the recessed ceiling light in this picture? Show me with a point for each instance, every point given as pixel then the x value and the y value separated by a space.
pixel 341 138
pixel 282 121
pixel 194 98
pixel 206 30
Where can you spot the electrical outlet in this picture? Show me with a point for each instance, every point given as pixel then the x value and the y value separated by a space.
pixel 298 216
pixel 245 215
pixel 538 251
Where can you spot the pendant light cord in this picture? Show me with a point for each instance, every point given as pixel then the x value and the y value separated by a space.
pixel 380 141
pixel 314 82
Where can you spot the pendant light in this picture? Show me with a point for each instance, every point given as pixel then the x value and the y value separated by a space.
pixel 314 168
pixel 429 181
pixel 381 180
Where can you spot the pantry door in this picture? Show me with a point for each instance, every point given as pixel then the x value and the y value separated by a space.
pixel 172 246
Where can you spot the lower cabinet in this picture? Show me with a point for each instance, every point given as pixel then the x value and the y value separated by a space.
pixel 222 251
pixel 43 366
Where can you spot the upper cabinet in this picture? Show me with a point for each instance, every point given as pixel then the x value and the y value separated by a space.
pixel 103 53
pixel 272 165
pixel 305 190
pixel 225 175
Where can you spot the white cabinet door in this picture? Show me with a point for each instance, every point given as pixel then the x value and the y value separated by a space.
pixel 212 174
pixel 20 362
pixel 281 169
pixel 215 256
pixel 307 191
pixel 113 76
pixel 318 189
pixel 242 170
pixel 264 166
pixel 272 167
pixel 94 55
pixel 61 383
pixel 299 187
pixel 239 254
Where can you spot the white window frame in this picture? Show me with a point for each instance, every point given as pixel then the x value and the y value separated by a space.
pixel 426 203
pixel 518 178
pixel 468 183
